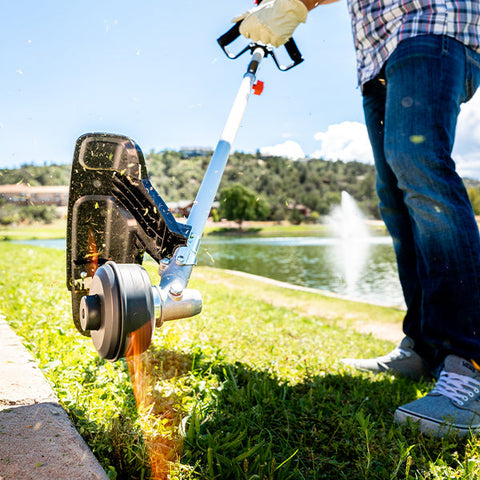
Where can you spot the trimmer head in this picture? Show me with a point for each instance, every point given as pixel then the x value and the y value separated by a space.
pixel 120 305
pixel 114 213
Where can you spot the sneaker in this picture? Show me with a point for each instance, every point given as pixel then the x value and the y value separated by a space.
pixel 403 360
pixel 453 406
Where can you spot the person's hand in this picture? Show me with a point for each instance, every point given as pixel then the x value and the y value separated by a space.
pixel 273 21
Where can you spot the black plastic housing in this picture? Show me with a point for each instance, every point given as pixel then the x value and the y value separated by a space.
pixel 114 213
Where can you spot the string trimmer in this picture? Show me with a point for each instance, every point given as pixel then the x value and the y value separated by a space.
pixel 115 216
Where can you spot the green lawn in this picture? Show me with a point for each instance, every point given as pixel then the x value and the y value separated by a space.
pixel 58 229
pixel 33 232
pixel 250 389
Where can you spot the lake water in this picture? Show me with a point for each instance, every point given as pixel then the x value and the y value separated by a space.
pixel 363 269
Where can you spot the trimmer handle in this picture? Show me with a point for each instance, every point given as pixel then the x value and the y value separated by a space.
pixel 228 37
pixel 291 47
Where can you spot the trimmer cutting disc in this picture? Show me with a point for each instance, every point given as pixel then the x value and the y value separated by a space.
pixel 120 303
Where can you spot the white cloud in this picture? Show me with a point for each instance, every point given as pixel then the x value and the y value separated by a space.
pixel 349 141
pixel 345 141
pixel 466 152
pixel 289 149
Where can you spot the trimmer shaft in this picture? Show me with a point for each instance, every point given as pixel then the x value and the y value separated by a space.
pixel 115 216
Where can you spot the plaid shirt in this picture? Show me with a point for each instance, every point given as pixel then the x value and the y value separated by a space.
pixel 379 26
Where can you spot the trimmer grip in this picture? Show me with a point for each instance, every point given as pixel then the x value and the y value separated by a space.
pixel 293 52
pixel 234 32
pixel 230 36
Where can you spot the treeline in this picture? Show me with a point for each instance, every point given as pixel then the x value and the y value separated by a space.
pixel 25 214
pixel 281 185
pixel 36 175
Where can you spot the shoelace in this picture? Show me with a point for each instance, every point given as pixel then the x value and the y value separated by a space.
pixel 458 388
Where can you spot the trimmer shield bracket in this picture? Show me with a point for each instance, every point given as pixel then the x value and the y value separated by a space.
pixel 114 213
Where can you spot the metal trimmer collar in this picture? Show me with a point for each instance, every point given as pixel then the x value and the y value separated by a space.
pixel 122 305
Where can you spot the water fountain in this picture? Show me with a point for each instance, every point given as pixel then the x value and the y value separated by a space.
pixel 348 226
pixel 347 220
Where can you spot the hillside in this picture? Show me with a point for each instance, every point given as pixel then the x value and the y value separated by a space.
pixel 315 183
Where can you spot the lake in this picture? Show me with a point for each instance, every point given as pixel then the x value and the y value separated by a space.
pixel 363 268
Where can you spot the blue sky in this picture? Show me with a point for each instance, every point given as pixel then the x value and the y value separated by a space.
pixel 152 70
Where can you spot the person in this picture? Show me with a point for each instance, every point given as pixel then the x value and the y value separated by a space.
pixel 417 61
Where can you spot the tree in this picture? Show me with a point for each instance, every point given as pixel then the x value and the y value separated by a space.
pixel 237 203
pixel 474 195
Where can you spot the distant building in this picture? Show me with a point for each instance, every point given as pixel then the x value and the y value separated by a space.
pixel 189 152
pixel 183 207
pixel 305 211
pixel 22 194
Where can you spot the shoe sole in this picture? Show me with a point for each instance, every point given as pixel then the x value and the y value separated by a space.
pixel 383 368
pixel 432 426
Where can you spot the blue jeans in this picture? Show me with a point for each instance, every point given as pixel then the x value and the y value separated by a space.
pixel 411 112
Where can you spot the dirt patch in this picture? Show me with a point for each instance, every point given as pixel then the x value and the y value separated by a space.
pixel 392 333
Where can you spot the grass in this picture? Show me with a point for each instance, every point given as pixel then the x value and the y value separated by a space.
pixel 250 389
pixel 34 232
pixel 268 229
pixel 58 228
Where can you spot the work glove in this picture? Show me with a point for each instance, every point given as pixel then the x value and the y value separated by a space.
pixel 273 21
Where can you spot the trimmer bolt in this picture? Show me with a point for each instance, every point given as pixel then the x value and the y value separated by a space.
pixel 164 263
pixel 90 312
pixel 176 290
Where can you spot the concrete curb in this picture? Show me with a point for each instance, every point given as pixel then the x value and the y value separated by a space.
pixel 37 438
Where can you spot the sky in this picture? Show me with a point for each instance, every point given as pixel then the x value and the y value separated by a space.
pixel 152 70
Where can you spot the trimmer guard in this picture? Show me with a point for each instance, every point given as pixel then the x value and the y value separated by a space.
pixel 114 213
